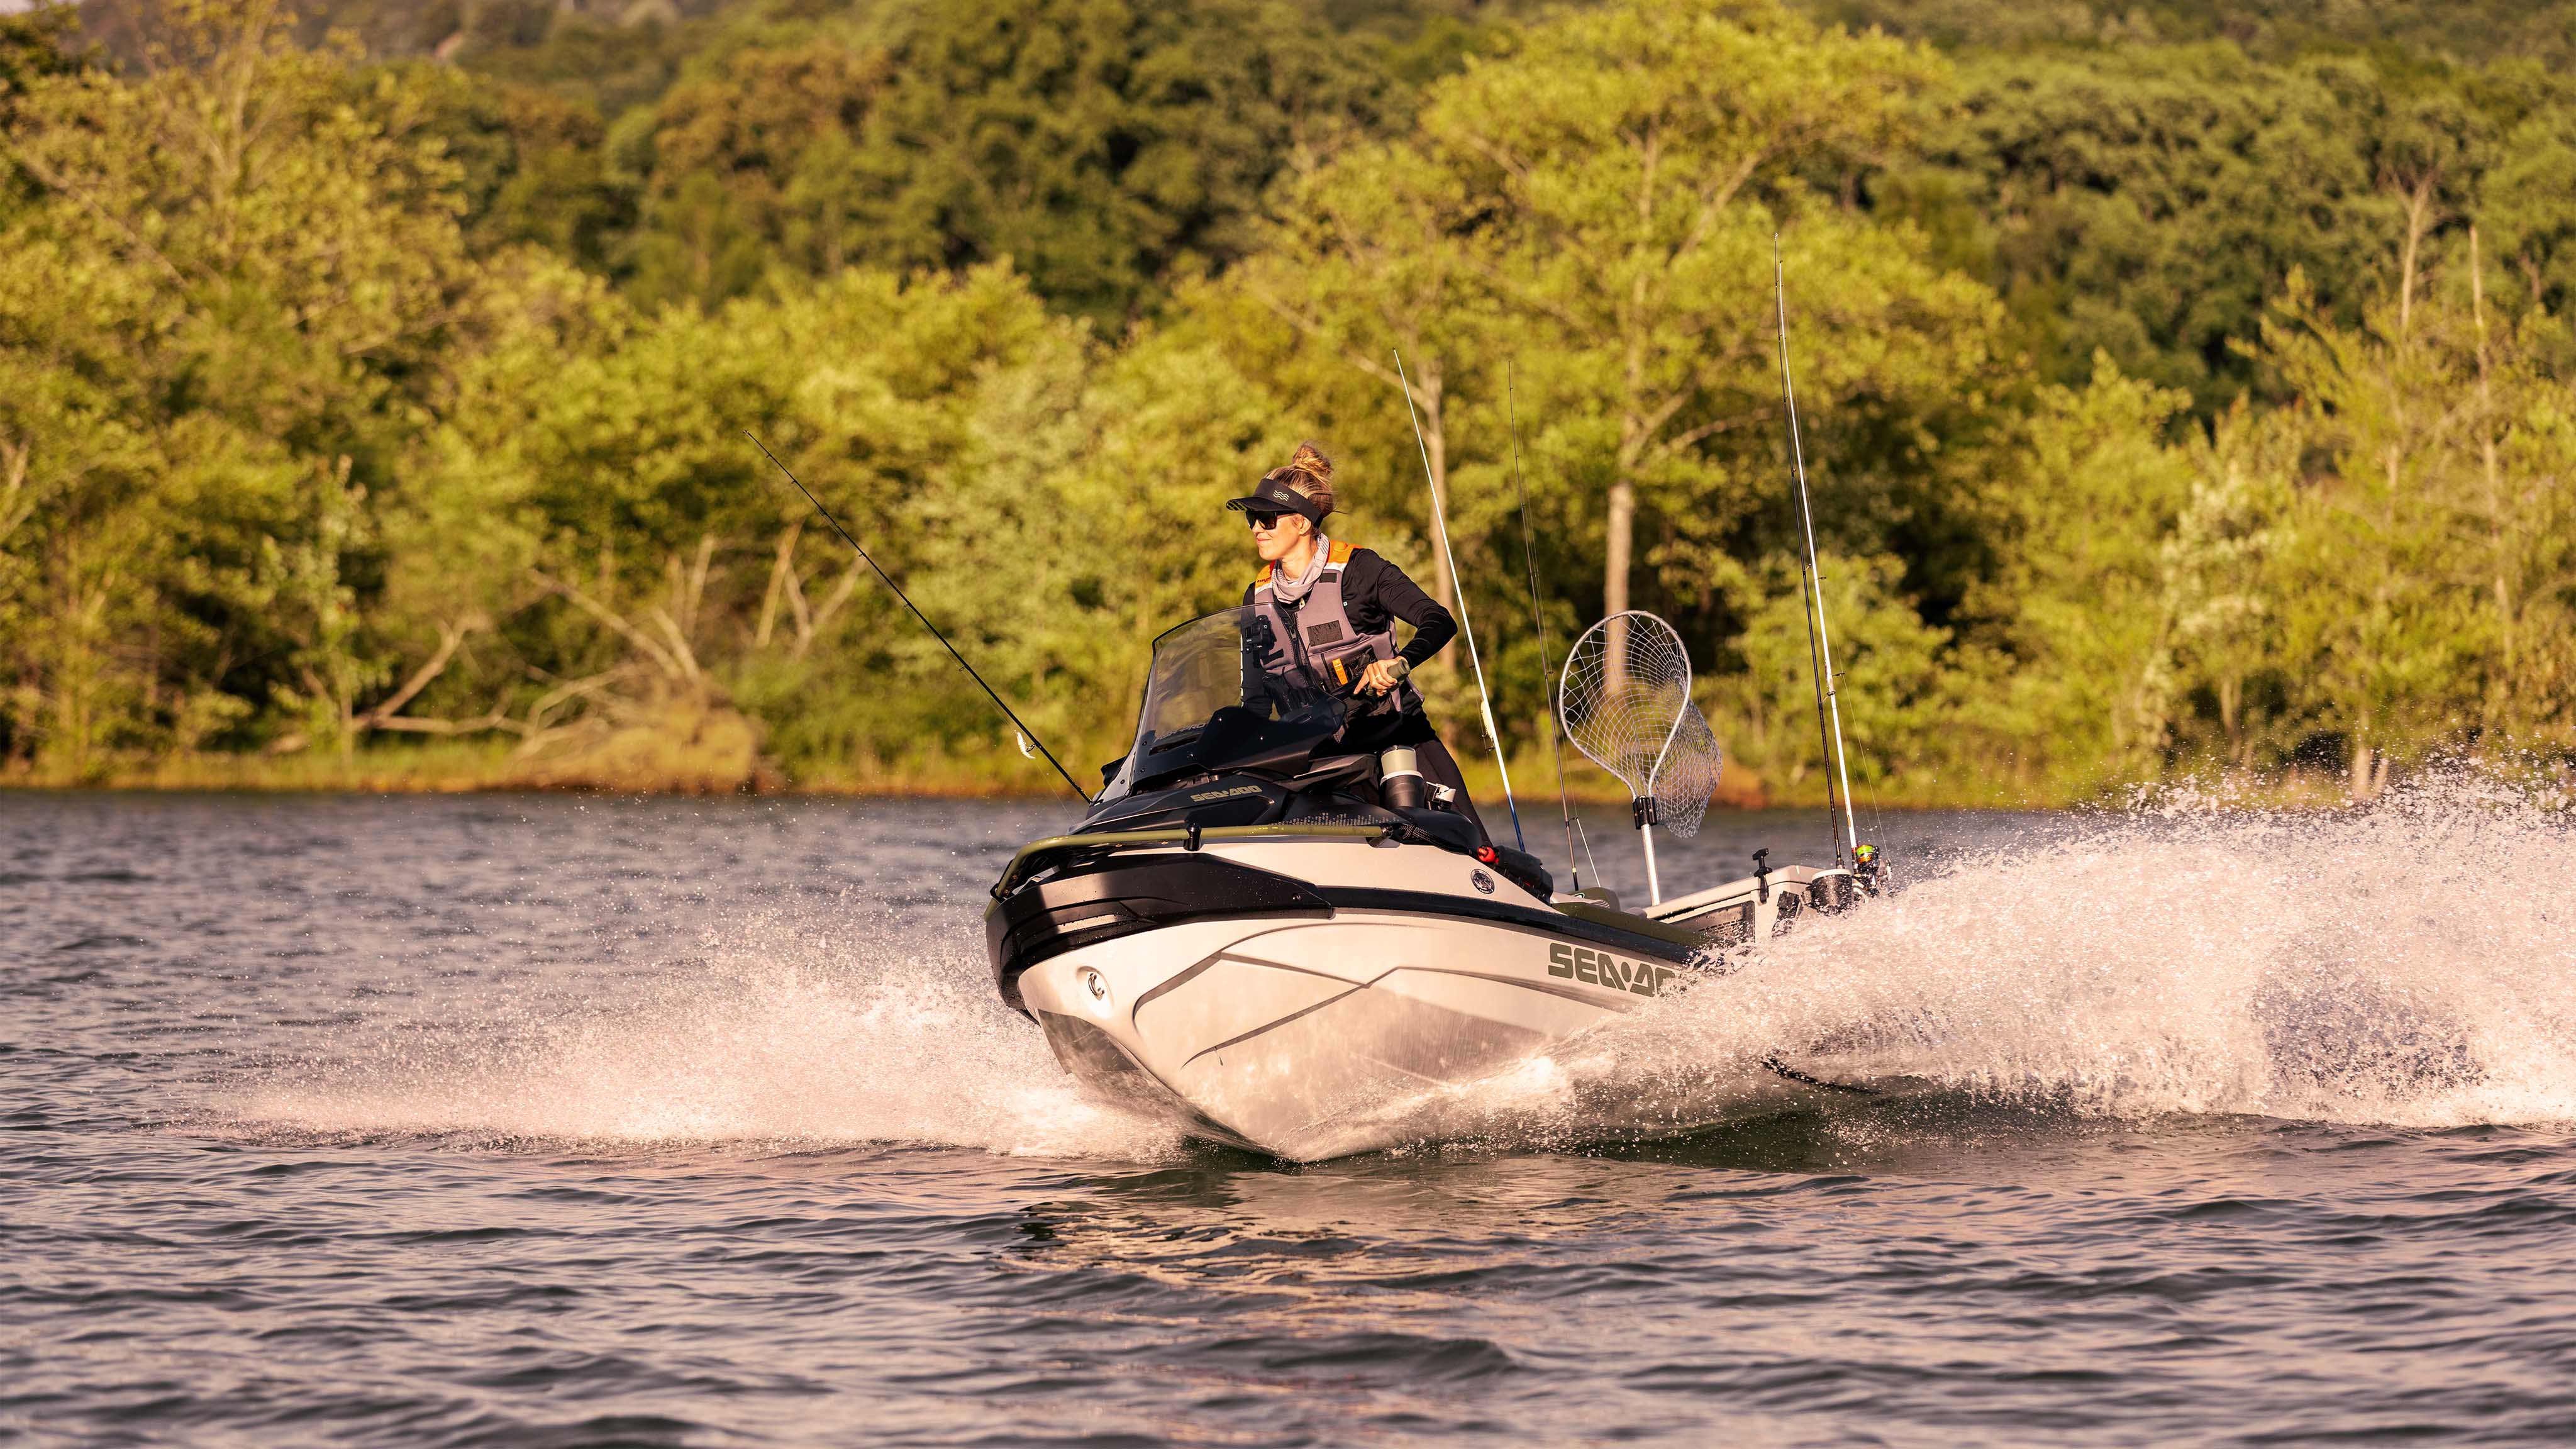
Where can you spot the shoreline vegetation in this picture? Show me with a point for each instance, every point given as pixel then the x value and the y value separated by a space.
pixel 2189 390
pixel 469 768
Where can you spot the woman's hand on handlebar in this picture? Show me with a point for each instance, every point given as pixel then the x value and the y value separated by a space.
pixel 1382 676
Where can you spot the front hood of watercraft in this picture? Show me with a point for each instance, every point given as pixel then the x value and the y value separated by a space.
pixel 1126 895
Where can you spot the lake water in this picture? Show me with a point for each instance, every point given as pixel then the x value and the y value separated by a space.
pixel 552 1121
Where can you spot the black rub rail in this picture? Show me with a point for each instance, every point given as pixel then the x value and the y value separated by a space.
pixel 1040 855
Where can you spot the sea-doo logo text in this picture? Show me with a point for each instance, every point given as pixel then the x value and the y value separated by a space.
pixel 1205 796
pixel 1600 968
pixel 1482 882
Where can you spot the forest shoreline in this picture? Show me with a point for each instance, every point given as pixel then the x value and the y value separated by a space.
pixel 459 770
pixel 2180 401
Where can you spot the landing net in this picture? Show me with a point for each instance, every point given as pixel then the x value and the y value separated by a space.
pixel 1624 699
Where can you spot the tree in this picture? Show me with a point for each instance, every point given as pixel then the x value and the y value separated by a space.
pixel 758 165
pixel 2221 612
pixel 2149 201
pixel 1104 146
pixel 2145 202
pixel 227 284
pixel 1635 163
pixel 2528 202
pixel 1903 699
pixel 2077 607
pixel 35 43
pixel 2394 648
pixel 532 166
pixel 1370 258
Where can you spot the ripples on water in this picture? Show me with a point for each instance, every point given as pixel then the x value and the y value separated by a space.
pixel 545 1121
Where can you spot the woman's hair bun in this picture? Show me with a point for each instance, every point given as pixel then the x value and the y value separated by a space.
pixel 1309 473
pixel 1310 460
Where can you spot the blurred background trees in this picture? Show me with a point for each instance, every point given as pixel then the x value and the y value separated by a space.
pixel 2188 387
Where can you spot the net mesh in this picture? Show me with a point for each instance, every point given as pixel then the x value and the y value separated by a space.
pixel 1689 774
pixel 1624 700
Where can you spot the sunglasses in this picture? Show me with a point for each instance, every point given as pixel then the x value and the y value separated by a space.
pixel 1262 520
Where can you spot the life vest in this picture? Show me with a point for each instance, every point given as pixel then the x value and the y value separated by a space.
pixel 1315 637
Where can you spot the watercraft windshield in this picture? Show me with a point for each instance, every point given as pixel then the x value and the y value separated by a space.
pixel 1212 704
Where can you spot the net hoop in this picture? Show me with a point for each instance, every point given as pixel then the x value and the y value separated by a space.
pixel 1623 698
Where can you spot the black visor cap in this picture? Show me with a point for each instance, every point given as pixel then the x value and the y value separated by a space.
pixel 1269 496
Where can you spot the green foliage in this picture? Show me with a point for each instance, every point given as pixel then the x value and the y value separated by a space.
pixel 1638 162
pixel 2147 202
pixel 1102 145
pixel 532 167
pixel 2075 607
pixel 2471 30
pixel 231 285
pixel 1614 240
pixel 1903 700
pixel 2183 391
pixel 1106 148
pixel 35 44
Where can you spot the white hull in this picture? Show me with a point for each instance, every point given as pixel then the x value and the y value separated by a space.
pixel 1311 1038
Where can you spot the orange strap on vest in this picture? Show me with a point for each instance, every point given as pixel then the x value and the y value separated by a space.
pixel 1337 555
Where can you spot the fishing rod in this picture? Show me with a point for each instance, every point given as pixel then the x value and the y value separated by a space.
pixel 1538 621
pixel 1440 520
pixel 1820 644
pixel 1026 733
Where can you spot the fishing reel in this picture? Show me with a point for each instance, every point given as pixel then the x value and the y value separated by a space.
pixel 1867 868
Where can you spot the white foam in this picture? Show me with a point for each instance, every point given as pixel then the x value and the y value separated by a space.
pixel 2411 964
pixel 780 1038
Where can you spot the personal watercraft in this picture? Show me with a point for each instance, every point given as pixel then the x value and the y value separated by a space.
pixel 1246 938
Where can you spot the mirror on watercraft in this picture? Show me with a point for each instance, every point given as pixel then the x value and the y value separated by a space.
pixel 1217 699
pixel 1624 699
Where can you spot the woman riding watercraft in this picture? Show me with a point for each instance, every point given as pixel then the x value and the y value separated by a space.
pixel 1275 940
pixel 1266 931
pixel 1330 608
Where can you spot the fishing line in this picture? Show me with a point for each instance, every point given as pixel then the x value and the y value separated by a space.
pixel 1026 733
pixel 1538 620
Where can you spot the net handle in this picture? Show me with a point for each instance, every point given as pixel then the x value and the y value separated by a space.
pixel 1671 735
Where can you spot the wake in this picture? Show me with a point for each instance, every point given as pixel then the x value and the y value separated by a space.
pixel 2410 964
pixel 780 1037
